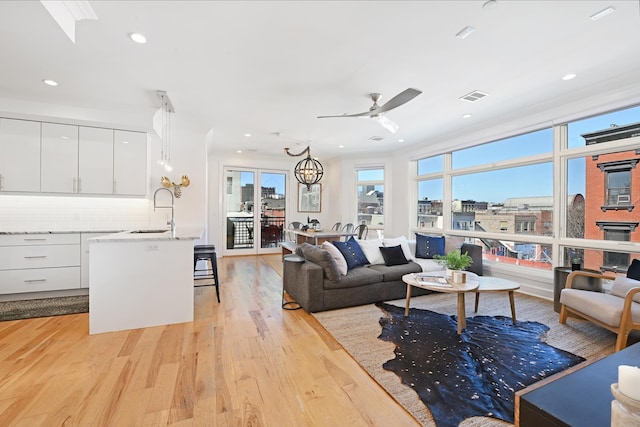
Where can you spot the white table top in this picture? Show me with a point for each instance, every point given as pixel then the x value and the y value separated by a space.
pixel 420 280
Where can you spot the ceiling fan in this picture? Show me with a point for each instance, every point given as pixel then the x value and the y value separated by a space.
pixel 376 111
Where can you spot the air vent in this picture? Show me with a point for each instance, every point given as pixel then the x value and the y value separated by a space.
pixel 473 96
pixel 376 138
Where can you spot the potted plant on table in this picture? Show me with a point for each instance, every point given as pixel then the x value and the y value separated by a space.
pixel 454 261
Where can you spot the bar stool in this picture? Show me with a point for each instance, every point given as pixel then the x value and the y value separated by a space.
pixel 207 252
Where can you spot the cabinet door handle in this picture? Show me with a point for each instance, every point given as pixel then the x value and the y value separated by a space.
pixel 34 239
pixel 35 280
pixel 75 185
pixel 1 182
pixel 79 185
pixel 35 257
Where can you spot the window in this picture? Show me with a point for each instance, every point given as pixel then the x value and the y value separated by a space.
pixel 508 200
pixel 430 203
pixel 529 144
pixel 594 126
pixel 370 187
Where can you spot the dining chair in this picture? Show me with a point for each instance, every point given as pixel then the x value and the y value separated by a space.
pixel 296 225
pixel 336 226
pixel 348 228
pixel 362 231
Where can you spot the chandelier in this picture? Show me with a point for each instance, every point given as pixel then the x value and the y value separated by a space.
pixel 308 171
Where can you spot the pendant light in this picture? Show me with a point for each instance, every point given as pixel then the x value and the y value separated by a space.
pixel 308 171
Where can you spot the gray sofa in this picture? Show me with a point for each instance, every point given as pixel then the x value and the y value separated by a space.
pixel 317 286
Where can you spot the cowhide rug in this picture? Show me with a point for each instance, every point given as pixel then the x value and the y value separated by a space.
pixel 473 374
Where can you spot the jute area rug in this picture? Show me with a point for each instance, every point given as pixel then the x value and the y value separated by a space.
pixel 357 330
pixel 43 307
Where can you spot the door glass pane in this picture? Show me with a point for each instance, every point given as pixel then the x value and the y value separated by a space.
pixel 272 209
pixel 240 209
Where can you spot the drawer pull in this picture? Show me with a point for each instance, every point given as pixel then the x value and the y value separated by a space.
pixel 36 240
pixel 35 280
pixel 35 257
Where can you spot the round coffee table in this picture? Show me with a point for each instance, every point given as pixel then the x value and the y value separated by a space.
pixel 497 284
pixel 437 282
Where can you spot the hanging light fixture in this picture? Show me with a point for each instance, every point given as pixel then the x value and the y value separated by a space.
pixel 308 171
pixel 163 129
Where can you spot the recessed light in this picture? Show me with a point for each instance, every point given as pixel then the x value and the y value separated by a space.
pixel 602 13
pixel 466 116
pixel 464 33
pixel 138 38
pixel 239 151
pixel 125 142
pixel 340 146
pixel 64 137
pixel 401 140
pixel 247 135
pixel 50 82
pixel 569 76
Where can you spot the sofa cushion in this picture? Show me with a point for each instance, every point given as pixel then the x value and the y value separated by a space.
pixel 403 242
pixel 606 308
pixel 371 249
pixel 428 246
pixel 633 272
pixel 475 252
pixel 622 285
pixel 341 263
pixel 393 255
pixel 428 265
pixel 323 259
pixel 352 253
pixel 358 276
pixel 395 272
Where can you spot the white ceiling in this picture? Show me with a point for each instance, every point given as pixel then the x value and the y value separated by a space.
pixel 267 67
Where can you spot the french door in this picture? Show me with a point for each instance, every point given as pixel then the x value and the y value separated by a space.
pixel 255 208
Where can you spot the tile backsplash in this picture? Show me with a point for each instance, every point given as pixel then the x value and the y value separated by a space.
pixel 51 213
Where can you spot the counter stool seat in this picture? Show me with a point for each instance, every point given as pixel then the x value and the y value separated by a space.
pixel 204 253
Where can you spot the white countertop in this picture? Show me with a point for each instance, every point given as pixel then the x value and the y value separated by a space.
pixel 182 233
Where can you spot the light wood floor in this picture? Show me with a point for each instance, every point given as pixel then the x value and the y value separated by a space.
pixel 243 362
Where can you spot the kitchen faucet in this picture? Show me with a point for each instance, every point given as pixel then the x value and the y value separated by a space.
pixel 172 222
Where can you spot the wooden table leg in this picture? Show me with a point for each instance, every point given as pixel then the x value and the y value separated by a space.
pixel 477 302
pixel 513 307
pixel 406 306
pixel 462 321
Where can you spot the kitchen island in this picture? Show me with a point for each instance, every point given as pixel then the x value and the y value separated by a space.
pixel 141 279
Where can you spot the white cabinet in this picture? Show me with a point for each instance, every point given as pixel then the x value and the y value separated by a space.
pixel 84 257
pixel 59 165
pixel 130 163
pixel 39 262
pixel 60 158
pixel 19 155
pixel 95 161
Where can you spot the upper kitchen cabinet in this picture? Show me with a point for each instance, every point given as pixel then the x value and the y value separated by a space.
pixel 19 155
pixel 95 161
pixel 59 165
pixel 130 163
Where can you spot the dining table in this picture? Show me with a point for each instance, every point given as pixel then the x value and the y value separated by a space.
pixel 316 237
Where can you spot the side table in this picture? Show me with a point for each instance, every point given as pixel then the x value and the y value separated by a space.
pixel 290 305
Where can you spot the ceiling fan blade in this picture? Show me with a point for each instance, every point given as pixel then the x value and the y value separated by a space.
pixel 387 123
pixel 365 114
pixel 401 98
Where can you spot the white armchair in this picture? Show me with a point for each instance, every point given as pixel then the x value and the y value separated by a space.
pixel 618 311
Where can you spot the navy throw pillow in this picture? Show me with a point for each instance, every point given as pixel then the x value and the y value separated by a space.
pixel 429 246
pixel 352 253
pixel 633 272
pixel 393 255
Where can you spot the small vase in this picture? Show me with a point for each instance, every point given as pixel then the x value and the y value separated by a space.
pixel 575 266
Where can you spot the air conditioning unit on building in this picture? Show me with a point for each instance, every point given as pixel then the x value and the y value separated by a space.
pixel 623 199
